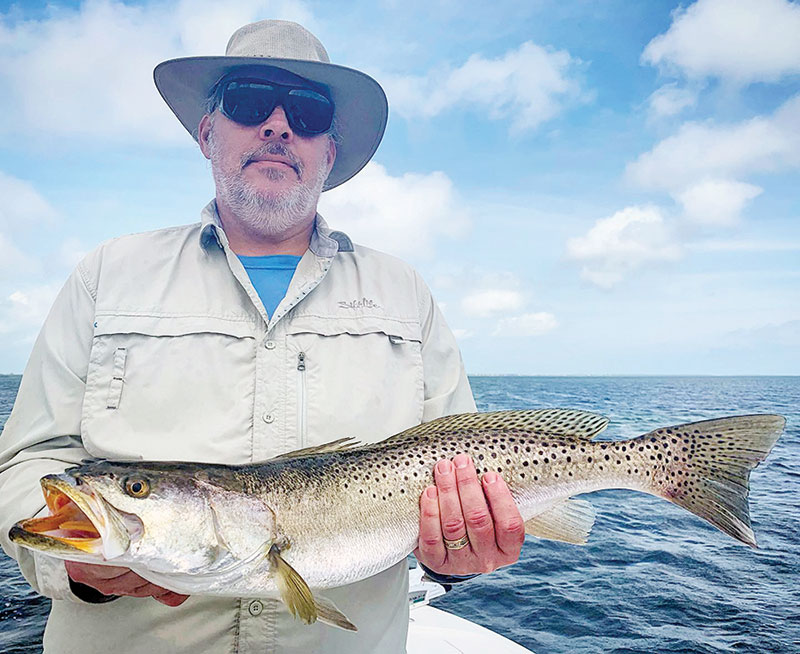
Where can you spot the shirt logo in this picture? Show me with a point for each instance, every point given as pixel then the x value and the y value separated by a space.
pixel 363 303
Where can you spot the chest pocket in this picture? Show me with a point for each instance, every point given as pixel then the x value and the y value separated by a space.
pixel 170 388
pixel 359 377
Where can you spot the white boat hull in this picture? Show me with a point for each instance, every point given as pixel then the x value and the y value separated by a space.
pixel 433 631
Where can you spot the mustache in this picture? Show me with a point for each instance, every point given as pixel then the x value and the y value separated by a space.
pixel 274 149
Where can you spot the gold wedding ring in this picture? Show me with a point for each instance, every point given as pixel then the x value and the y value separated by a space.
pixel 458 544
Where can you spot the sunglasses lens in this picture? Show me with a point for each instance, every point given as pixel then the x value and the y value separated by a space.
pixel 309 111
pixel 248 103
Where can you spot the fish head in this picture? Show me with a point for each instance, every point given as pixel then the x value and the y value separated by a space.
pixel 80 526
pixel 152 516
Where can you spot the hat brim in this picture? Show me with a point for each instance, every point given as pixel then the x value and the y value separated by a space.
pixel 361 106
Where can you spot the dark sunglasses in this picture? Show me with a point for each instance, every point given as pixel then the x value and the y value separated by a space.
pixel 251 101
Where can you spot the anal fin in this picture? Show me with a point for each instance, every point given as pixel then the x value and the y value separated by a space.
pixel 299 599
pixel 569 522
pixel 329 614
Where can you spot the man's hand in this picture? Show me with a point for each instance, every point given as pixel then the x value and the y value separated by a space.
pixel 112 580
pixel 461 505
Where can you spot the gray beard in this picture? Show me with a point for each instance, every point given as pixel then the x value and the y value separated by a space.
pixel 263 213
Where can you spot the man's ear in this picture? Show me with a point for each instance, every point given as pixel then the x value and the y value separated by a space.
pixel 203 134
pixel 331 154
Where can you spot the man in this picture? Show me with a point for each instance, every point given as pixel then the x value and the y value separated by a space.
pixel 255 332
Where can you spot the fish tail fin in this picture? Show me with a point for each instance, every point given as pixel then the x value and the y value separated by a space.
pixel 705 467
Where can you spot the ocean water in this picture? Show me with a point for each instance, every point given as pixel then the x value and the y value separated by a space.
pixel 653 577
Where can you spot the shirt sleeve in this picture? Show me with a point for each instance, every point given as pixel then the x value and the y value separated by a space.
pixel 42 435
pixel 447 389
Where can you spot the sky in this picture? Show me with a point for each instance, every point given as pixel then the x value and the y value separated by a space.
pixel 589 188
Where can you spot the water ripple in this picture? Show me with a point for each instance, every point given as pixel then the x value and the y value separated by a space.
pixel 653 578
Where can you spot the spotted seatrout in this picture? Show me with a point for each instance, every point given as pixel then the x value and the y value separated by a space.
pixel 336 514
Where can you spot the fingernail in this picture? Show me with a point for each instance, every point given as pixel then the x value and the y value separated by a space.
pixel 431 492
pixel 444 467
pixel 461 461
pixel 490 478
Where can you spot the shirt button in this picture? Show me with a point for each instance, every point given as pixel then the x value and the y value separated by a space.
pixel 270 345
pixel 268 417
pixel 256 607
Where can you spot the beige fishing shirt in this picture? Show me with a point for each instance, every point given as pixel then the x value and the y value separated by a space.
pixel 158 347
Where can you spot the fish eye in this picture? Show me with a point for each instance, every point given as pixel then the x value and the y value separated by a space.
pixel 137 487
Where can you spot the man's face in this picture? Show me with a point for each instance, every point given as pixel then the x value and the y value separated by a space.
pixel 267 174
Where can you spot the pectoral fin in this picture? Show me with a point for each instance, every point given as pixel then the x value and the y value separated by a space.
pixel 294 591
pixel 570 522
pixel 299 599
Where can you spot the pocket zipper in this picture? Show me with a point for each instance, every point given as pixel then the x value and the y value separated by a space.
pixel 301 398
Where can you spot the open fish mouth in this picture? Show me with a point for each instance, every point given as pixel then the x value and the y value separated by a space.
pixel 79 520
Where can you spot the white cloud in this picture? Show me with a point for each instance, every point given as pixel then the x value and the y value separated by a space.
pixel 744 246
pixel 529 85
pixel 14 262
pixel 24 310
pixel 22 205
pixel 400 215
pixel 670 100
pixel 716 202
pixel 204 26
pixel 491 301
pixel 22 208
pixel 615 246
pixel 786 334
pixel 463 334
pixel 528 324
pixel 88 72
pixel 700 151
pixel 738 40
pixel 71 252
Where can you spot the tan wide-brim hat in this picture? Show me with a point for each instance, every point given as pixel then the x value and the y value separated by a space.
pixel 360 104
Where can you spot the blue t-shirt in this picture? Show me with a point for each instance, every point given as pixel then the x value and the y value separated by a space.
pixel 270 276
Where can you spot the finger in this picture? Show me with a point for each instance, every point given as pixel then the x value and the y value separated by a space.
pixel 450 514
pixel 431 550
pixel 509 527
pixel 478 519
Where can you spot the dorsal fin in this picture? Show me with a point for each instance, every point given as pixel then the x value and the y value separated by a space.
pixel 567 423
pixel 334 446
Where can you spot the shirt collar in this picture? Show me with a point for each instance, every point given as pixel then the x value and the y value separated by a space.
pixel 324 241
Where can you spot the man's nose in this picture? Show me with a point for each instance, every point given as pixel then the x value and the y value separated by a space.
pixel 276 125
